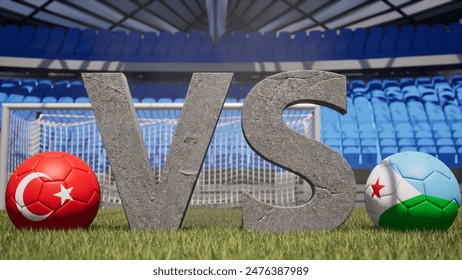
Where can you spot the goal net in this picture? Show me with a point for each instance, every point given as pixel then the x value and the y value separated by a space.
pixel 230 166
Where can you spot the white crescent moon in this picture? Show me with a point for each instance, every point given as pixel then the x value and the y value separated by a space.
pixel 19 197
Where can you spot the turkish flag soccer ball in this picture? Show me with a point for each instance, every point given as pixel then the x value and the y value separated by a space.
pixel 52 190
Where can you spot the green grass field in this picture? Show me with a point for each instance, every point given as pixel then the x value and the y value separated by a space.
pixel 218 234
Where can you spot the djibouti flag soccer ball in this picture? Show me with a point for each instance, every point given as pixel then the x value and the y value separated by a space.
pixel 412 190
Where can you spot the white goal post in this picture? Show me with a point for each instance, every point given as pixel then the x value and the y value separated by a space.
pixel 229 167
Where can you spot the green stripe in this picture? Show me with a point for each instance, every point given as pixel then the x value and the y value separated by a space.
pixel 420 212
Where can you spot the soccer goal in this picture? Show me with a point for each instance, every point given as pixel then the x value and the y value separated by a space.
pixel 230 166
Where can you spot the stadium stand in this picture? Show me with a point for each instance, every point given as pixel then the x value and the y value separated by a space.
pixel 91 44
pixel 384 116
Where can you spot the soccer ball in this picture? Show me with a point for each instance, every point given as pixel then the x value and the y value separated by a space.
pixel 412 190
pixel 52 190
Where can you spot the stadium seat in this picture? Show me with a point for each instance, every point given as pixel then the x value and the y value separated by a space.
pixel 448 155
pixel 22 41
pixel 420 43
pixel 220 48
pixel 327 44
pixel 454 38
pixel 205 48
pixel 357 50
pixel 160 51
pixel 295 51
pixel 130 49
pixel 374 41
pixel 416 112
pixel 175 50
pixel 281 46
pixel 435 113
pixel 388 151
pixel 437 44
pixel 70 42
pixel 352 155
pixel 54 43
pixel 86 43
pixel 265 50
pixel 146 46
pixel 369 157
pixel 251 45
pixel 38 42
pixel 236 47
pixel 117 44
pixel 310 50
pixel 342 44
pixel 405 40
pixel 8 37
pixel 102 42
pixel 411 93
pixel 398 112
pixel 388 44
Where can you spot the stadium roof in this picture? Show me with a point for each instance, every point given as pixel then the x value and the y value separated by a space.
pixel 218 16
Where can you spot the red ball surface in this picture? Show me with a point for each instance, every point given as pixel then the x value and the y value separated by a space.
pixel 52 190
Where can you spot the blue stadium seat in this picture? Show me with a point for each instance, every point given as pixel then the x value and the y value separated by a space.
pixel 423 134
pixel 70 42
pixel 406 81
pixel 265 50
pixel 133 43
pixel 146 46
pixel 374 41
pixel 357 43
pixel 448 155
pixel 310 50
pixel 205 48
pixel 369 157
pixel 435 113
pixel 160 50
pixel 191 46
pixel 437 44
pixel 281 46
pixel 236 47
pixel 411 93
pixel 86 43
pixel 102 42
pixel 416 112
pixel 388 142
pixel 453 114
pixel 220 49
pixel 175 51
pixel 54 43
pixel 8 37
pixel 388 151
pixel 22 41
pixel 296 46
pixel 342 44
pixel 398 112
pixel 326 46
pixel 56 92
pixel 378 95
pixel 381 112
pixel 35 48
pixel 388 44
pixel 421 40
pixel 425 87
pixel 352 155
pixel 454 38
pixel 251 45
pixel 117 44
pixel 405 40
pixel 431 150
